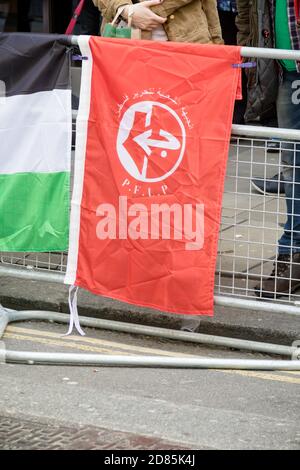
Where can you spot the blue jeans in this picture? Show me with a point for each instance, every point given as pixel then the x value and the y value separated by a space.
pixel 288 109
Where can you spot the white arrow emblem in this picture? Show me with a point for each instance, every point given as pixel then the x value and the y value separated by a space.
pixel 170 142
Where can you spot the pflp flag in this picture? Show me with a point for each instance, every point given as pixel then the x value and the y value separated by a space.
pixel 35 142
pixel 153 136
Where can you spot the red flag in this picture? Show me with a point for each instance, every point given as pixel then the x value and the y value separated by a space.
pixel 152 142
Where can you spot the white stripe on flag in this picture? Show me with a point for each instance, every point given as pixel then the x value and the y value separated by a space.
pixel 80 154
pixel 36 132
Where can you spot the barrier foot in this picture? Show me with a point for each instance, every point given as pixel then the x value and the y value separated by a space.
pixel 8 316
pixel 4 320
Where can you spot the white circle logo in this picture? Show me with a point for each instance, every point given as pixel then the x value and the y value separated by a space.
pixel 151 141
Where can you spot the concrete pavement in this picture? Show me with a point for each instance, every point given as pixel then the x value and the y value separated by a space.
pixel 117 408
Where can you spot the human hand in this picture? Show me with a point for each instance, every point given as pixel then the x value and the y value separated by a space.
pixel 142 16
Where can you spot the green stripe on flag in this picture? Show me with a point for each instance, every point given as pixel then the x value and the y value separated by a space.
pixel 34 211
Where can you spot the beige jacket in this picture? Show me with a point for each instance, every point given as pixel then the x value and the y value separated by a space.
pixel 187 20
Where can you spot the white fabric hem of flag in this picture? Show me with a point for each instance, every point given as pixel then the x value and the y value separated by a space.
pixel 80 154
pixel 73 307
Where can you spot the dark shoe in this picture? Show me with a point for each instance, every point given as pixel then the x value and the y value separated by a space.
pixel 274 185
pixel 283 280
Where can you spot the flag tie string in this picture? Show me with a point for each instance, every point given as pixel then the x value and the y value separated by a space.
pixel 74 317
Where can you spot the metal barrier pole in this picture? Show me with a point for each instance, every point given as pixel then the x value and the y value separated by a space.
pixel 255 52
pixel 31 274
pixel 269 53
pixel 224 301
pixel 257 305
pixel 265 132
pixel 32 358
pixel 7 316
pixel 165 333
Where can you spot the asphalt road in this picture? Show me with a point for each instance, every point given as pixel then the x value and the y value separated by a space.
pixel 44 406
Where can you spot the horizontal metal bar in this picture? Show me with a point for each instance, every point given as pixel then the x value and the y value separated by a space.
pixel 50 276
pixel 255 52
pixel 269 53
pixel 31 274
pixel 146 361
pixel 263 132
pixel 253 131
pixel 258 305
pixel 165 333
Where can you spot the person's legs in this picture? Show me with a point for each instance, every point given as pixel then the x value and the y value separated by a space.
pixel 229 29
pixel 289 118
pixel 285 277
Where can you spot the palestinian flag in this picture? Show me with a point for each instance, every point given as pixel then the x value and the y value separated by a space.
pixel 35 142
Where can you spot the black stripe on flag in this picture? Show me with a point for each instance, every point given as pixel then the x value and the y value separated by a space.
pixel 31 63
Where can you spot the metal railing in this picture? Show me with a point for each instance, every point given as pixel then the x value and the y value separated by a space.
pixel 251 222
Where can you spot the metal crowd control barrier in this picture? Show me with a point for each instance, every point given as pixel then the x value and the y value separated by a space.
pixel 251 225
pixel 252 222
